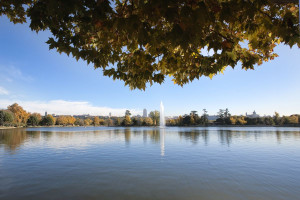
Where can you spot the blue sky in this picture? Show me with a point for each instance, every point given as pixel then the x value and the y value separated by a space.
pixel 40 80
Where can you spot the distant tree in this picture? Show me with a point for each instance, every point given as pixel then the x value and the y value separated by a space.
pixel 269 121
pixel 20 115
pixel 65 120
pixel 180 120
pixel 148 121
pixel 71 120
pixel 171 122
pixel 192 120
pixel 38 116
pixel 186 120
pixel 62 120
pixel 241 120
pixel 221 113
pixel 252 121
pixel 293 119
pixel 33 121
pixel 284 120
pixel 88 122
pixel 155 116
pixel 204 117
pixel 227 116
pixel 96 121
pixel 48 120
pixel 194 117
pixel 127 112
pixel 1 118
pixel 276 118
pixel 79 122
pixel 127 120
pixel 221 117
pixel 109 122
pixel 140 121
pixel 226 113
pixel 118 122
pixel 8 118
pixel 134 121
pixel 233 120
pixel 102 121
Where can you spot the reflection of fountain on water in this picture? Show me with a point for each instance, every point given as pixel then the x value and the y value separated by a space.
pixel 162 142
pixel 162 124
pixel 162 116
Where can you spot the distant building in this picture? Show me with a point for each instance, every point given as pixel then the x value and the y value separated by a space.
pixel 171 117
pixel 253 115
pixel 145 112
pixel 212 117
pixel 110 115
pixel 82 116
pixel 45 113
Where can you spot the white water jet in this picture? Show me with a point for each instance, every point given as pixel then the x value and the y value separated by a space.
pixel 162 116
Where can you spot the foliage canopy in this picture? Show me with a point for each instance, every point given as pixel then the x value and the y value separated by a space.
pixel 142 41
pixel 20 115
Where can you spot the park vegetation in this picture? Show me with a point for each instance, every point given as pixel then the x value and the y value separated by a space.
pixel 16 116
pixel 224 118
pixel 141 42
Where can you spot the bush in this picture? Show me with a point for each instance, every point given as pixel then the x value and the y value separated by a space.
pixel 32 121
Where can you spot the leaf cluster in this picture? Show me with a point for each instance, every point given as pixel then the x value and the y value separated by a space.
pixel 141 41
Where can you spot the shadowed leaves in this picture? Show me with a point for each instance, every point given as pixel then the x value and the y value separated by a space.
pixel 141 42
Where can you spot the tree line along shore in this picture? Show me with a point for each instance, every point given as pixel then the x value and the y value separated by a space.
pixel 16 116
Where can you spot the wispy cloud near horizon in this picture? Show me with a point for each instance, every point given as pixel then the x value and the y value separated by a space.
pixel 3 91
pixel 63 107
pixel 11 73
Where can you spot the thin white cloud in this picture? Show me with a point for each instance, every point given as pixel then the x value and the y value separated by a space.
pixel 62 107
pixel 11 73
pixel 3 91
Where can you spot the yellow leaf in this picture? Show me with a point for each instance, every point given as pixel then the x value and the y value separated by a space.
pixel 292 9
pixel 222 70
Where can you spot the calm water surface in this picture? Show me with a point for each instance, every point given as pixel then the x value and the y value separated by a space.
pixel 150 163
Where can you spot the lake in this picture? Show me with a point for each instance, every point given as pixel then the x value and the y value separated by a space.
pixel 214 163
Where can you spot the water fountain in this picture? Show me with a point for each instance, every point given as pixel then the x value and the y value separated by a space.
pixel 162 116
pixel 162 126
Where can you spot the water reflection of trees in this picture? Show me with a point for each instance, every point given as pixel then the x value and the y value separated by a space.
pixel 194 135
pixel 127 135
pixel 147 133
pixel 12 139
pixel 226 137
pixel 153 135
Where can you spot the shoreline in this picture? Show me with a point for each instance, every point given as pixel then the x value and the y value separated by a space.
pixel 8 127
pixel 239 126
